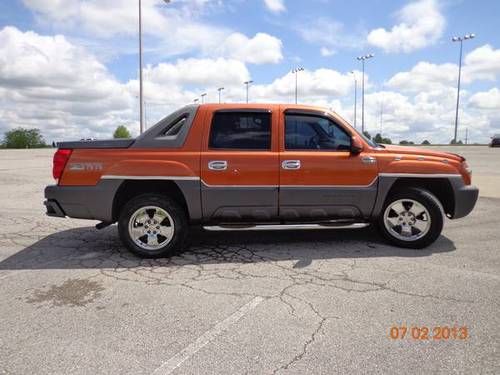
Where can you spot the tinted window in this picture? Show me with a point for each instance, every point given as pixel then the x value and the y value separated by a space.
pixel 304 132
pixel 241 130
pixel 174 127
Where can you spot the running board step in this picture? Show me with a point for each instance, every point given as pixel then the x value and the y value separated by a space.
pixel 217 228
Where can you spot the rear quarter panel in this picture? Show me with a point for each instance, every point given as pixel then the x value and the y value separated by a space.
pixel 87 166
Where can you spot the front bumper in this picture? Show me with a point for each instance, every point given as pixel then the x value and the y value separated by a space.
pixel 465 199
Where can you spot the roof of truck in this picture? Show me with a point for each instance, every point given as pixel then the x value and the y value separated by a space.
pixel 271 106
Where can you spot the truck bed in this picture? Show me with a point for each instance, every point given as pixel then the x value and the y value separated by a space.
pixel 109 143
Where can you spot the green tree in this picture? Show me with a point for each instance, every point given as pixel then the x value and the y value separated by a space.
pixel 23 138
pixel 121 132
pixel 406 143
pixel 426 142
pixel 379 139
pixel 367 135
pixel 453 142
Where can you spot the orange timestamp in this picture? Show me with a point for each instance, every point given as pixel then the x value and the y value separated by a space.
pixel 429 333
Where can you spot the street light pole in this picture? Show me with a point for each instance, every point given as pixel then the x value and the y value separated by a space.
pixel 355 96
pixel 141 104
pixel 219 90
pixel 296 72
pixel 459 39
pixel 247 83
pixel 362 59
pixel 203 97
pixel 141 109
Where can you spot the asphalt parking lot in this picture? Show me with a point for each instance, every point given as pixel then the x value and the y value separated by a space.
pixel 323 302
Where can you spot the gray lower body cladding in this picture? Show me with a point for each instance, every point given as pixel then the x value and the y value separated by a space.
pixel 317 203
pixel 464 196
pixel 286 203
pixel 251 204
pixel 96 202
pixel 82 202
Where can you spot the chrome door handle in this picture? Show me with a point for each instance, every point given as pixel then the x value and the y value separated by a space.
pixel 217 165
pixel 290 164
pixel 368 160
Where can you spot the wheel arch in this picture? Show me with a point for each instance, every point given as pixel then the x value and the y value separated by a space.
pixel 186 193
pixel 440 187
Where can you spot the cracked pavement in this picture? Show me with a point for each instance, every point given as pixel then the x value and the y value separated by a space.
pixel 73 300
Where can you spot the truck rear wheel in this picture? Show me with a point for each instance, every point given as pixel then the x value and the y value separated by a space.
pixel 411 218
pixel 153 226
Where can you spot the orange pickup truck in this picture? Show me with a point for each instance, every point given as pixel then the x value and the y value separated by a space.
pixel 256 166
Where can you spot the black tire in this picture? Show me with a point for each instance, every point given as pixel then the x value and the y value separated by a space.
pixel 174 210
pixel 432 205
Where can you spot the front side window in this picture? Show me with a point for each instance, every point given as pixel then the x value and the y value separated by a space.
pixel 305 132
pixel 241 130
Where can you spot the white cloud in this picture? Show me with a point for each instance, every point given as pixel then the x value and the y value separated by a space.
pixel 483 63
pixel 261 49
pixel 47 82
pixel 421 24
pixel 50 83
pixel 489 100
pixel 275 6
pixel 326 52
pixel 198 72
pixel 428 115
pixel 425 76
pixel 175 27
pixel 312 85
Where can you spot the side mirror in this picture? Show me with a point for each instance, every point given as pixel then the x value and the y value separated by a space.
pixel 356 146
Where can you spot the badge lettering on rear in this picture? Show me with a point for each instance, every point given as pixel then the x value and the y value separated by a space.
pixel 88 167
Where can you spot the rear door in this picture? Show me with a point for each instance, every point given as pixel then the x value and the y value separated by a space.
pixel 240 166
pixel 319 177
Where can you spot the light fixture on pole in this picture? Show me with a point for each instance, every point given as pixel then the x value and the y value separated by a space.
pixel 219 90
pixel 141 103
pixel 248 83
pixel 296 72
pixel 196 100
pixel 355 96
pixel 362 59
pixel 461 40
pixel 203 97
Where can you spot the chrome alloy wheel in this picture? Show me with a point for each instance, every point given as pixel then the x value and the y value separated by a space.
pixel 151 227
pixel 407 220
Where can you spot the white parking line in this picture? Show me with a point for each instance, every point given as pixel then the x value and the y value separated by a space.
pixel 174 362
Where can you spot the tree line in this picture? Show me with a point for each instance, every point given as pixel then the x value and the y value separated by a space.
pixel 33 138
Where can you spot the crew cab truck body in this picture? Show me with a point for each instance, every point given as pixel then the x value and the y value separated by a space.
pixel 254 165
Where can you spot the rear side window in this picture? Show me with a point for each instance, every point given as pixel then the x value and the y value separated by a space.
pixel 241 130
pixel 174 127
pixel 304 132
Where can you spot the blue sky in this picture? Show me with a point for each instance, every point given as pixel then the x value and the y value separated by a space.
pixel 86 51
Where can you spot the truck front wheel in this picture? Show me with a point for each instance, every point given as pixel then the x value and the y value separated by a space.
pixel 411 218
pixel 153 226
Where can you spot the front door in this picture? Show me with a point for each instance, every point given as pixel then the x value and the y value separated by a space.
pixel 320 179
pixel 240 166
